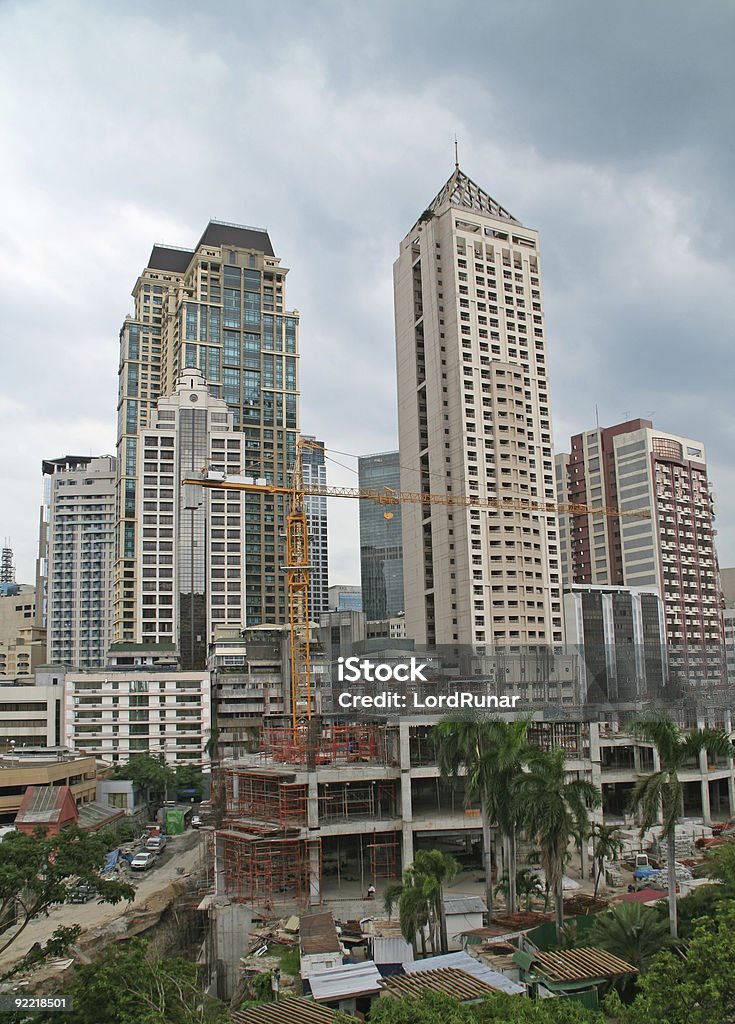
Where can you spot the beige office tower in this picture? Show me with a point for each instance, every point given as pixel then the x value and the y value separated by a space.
pixel 219 307
pixel 474 423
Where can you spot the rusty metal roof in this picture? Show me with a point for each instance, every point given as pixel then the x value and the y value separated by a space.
pixel 579 965
pixel 449 980
pixel 286 1011
pixel 318 934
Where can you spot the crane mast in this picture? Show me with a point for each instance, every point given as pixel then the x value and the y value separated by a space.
pixel 297 546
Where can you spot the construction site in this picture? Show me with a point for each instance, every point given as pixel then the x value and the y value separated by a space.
pixel 320 816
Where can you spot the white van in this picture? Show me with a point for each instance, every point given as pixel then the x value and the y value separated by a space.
pixel 156 844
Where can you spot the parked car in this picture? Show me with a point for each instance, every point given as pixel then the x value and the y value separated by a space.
pixel 81 893
pixel 143 861
pixel 156 844
pixel 196 821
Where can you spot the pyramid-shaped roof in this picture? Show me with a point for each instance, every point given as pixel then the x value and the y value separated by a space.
pixel 462 191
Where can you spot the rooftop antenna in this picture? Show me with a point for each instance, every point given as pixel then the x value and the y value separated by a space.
pixel 456 153
pixel 597 417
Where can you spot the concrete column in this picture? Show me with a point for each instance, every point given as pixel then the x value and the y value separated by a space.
pixel 706 812
pixel 406 803
pixel 313 849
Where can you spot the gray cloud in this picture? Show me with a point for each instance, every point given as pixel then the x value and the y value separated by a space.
pixel 607 128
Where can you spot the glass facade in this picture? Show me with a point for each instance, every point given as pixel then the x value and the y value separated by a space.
pixel 381 542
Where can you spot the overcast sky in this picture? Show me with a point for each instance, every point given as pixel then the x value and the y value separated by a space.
pixel 608 127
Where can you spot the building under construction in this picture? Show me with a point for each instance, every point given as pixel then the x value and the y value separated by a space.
pixel 321 818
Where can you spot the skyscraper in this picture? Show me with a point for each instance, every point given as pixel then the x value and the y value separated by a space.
pixel 77 558
pixel 474 421
pixel 192 575
pixel 315 472
pixel 381 538
pixel 632 465
pixel 219 307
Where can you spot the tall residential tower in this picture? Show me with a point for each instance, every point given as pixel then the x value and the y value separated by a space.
pixel 474 422
pixel 220 308
pixel 634 466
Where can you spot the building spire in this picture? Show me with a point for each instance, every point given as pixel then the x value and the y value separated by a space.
pixel 456 153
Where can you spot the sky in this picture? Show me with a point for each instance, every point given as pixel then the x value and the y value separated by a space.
pixel 607 127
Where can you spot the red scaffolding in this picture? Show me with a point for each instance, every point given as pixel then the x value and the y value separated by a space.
pixel 334 744
pixel 264 796
pixel 268 867
pixel 383 854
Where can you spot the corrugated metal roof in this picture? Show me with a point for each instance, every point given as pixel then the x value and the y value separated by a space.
pixel 42 804
pixel 465 962
pixel 286 1011
pixel 464 905
pixel 344 982
pixel 580 965
pixel 391 950
pixel 318 934
pixel 448 980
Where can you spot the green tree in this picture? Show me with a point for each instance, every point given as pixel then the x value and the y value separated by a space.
pixel 696 989
pixel 607 845
pixel 555 809
pixel 420 899
pixel 434 870
pixel 635 933
pixel 435 1008
pixel 661 792
pixel 151 774
pixel 491 753
pixel 132 983
pixel 37 871
pixel 528 885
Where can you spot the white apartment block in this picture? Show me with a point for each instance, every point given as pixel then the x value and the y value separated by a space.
pixel 474 424
pixel 76 558
pixel 192 573
pixel 144 709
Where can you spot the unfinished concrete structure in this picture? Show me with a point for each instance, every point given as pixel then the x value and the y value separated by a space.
pixel 322 819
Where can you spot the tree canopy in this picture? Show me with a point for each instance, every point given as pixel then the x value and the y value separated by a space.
pixel 434 1008
pixel 37 871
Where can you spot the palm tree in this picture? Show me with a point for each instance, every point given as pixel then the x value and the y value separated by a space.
pixel 555 809
pixel 661 792
pixel 635 933
pixel 607 846
pixel 432 870
pixel 492 754
pixel 420 898
pixel 528 885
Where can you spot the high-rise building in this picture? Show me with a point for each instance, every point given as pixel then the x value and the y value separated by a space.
pixel 76 558
pixel 621 636
pixel 634 466
pixel 381 538
pixel 315 474
pixel 345 598
pixel 192 574
pixel 474 422
pixel 220 307
pixel 22 642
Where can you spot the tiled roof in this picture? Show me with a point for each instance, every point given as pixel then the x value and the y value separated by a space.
pixel 286 1011
pixel 580 965
pixel 449 980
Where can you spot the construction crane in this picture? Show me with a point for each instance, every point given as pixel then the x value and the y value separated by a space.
pixel 297 544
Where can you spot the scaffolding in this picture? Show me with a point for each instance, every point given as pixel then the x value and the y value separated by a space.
pixel 333 744
pixel 350 801
pixel 267 867
pixel 271 798
pixel 383 854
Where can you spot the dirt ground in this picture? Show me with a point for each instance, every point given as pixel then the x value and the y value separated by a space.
pixel 155 889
